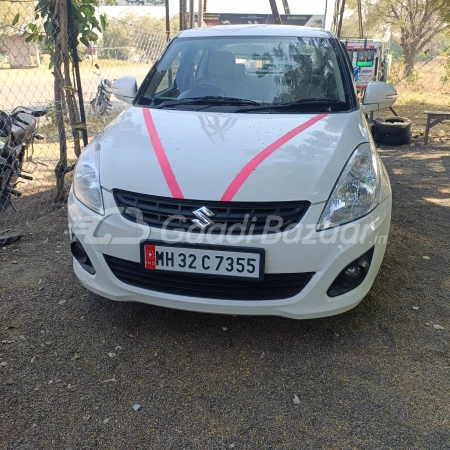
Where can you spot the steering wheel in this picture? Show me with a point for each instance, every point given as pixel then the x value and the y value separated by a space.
pixel 203 90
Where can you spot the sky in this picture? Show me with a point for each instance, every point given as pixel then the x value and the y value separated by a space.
pixel 232 6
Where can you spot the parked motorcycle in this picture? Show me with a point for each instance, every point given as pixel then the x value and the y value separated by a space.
pixel 102 101
pixel 18 130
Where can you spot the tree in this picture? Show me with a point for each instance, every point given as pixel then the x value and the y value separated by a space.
pixel 54 34
pixel 418 21
pixel 414 22
pixel 374 24
pixel 117 40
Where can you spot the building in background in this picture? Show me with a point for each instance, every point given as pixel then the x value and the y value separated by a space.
pixel 21 54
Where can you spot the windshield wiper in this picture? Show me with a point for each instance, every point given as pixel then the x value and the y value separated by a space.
pixel 304 101
pixel 208 99
pixel 297 103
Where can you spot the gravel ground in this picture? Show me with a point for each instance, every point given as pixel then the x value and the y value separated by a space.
pixel 73 365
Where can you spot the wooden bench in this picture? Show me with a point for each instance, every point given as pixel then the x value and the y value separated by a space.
pixel 434 118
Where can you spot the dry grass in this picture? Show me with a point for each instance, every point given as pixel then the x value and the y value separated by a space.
pixel 110 64
pixel 424 91
pixel 414 104
pixel 16 76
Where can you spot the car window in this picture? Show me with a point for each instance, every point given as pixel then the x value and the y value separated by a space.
pixel 169 75
pixel 176 73
pixel 365 58
pixel 269 70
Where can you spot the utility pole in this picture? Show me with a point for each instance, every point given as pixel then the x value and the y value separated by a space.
pixel 334 24
pixel 286 7
pixel 167 21
pixel 182 14
pixel 341 17
pixel 200 14
pixel 360 20
pixel 191 13
pixel 275 13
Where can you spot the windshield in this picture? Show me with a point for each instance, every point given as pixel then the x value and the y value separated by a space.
pixel 267 71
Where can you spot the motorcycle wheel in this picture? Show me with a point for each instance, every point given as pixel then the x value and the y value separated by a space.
pixel 101 106
pixel 4 201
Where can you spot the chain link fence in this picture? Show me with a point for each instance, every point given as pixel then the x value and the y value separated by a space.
pixel 427 88
pixel 27 81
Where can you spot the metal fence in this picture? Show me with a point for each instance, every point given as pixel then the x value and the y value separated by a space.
pixel 26 80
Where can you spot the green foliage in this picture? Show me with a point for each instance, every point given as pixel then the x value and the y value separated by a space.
pixel 414 24
pixel 15 20
pixel 13 15
pixel 45 25
pixel 374 24
pixel 117 40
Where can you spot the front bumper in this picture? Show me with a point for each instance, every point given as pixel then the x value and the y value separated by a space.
pixel 302 249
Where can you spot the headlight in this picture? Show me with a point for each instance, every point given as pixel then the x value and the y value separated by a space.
pixel 86 182
pixel 357 191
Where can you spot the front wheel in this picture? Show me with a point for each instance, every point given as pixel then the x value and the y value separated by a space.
pixel 5 198
pixel 5 181
pixel 101 106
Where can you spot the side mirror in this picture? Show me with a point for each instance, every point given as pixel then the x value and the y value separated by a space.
pixel 125 89
pixel 378 95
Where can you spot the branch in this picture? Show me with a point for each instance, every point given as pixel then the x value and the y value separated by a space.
pixel 396 14
pixel 425 40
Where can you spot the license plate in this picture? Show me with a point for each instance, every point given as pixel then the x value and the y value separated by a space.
pixel 204 260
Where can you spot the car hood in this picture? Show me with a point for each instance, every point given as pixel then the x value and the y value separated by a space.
pixel 205 152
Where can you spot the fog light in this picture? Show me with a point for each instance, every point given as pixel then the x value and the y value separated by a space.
pixel 352 276
pixel 79 253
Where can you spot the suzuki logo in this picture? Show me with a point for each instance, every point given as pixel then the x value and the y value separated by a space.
pixel 203 217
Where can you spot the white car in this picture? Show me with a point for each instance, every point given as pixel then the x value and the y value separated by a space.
pixel 242 179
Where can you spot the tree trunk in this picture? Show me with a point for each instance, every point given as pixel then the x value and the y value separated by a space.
pixel 60 168
pixel 68 86
pixel 71 107
pixel 410 56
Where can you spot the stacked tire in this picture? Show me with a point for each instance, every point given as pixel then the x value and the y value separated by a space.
pixel 392 130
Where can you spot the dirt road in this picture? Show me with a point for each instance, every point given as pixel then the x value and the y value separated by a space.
pixel 73 365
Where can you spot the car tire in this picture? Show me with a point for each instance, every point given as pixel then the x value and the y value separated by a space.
pixel 397 139
pixel 392 126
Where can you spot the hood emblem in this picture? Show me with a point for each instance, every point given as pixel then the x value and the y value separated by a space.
pixel 203 215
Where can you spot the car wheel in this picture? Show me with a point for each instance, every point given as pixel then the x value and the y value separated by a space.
pixel 392 126
pixel 398 139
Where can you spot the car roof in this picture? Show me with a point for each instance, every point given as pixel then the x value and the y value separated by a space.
pixel 256 30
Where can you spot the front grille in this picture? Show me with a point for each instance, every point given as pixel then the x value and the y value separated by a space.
pixel 274 287
pixel 156 210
